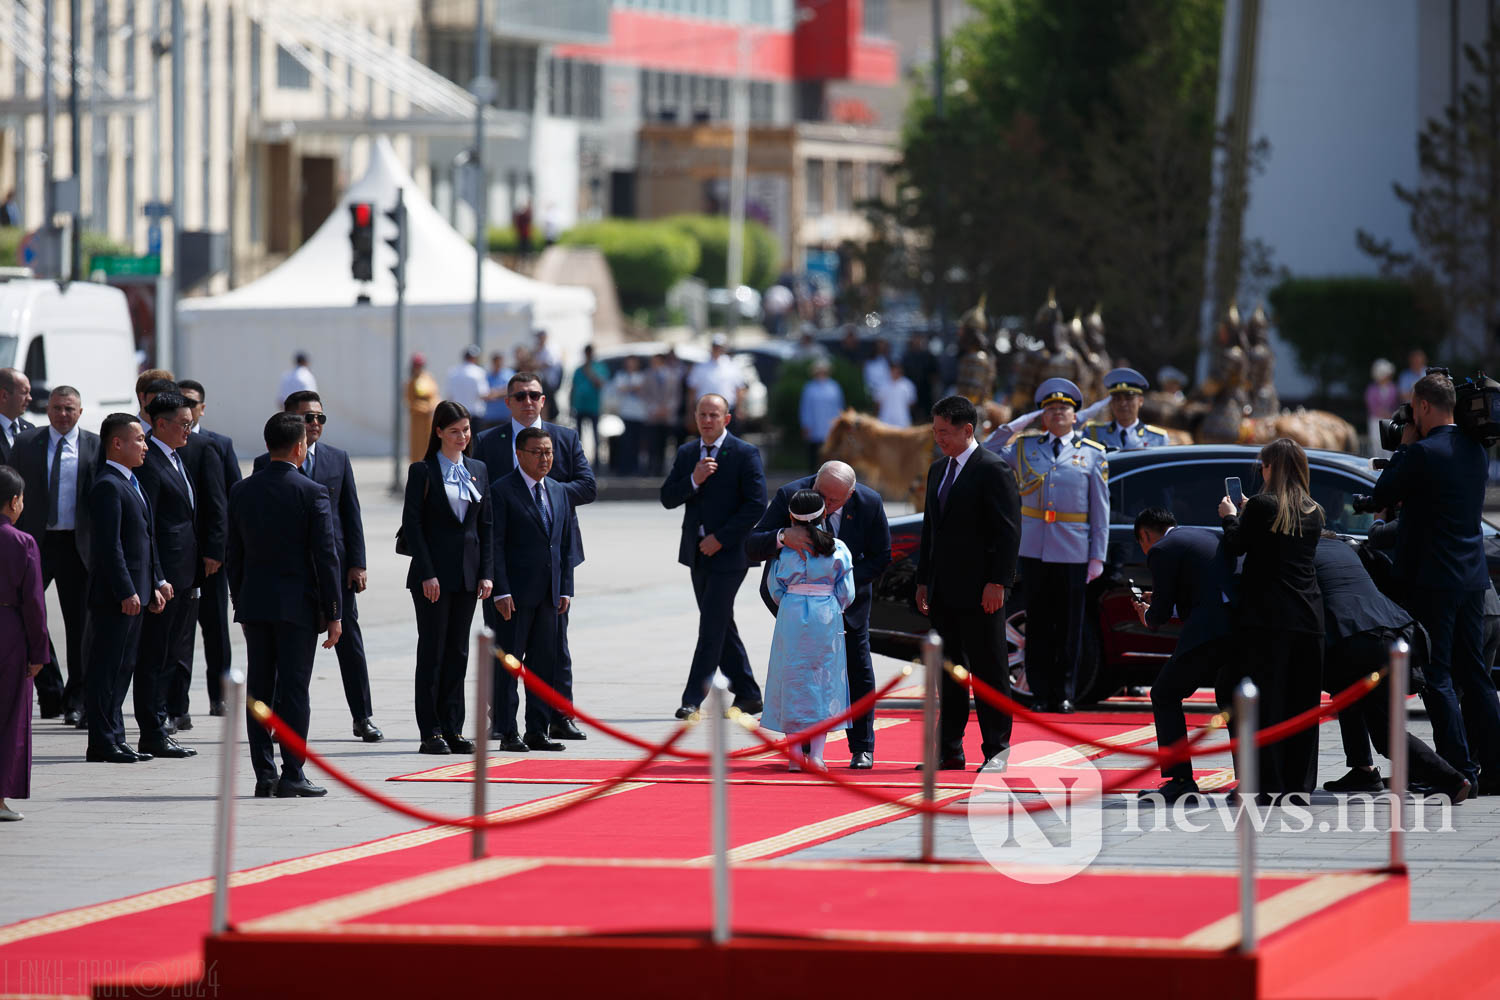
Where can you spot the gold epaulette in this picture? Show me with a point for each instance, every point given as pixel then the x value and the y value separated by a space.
pixel 1091 442
pixel 1157 430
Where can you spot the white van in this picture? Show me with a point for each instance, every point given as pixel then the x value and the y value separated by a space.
pixel 79 335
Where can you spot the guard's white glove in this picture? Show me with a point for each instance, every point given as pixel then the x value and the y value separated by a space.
pixel 1096 569
pixel 1092 410
pixel 1003 433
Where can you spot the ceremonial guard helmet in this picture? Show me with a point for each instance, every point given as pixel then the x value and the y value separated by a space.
pixel 1125 380
pixel 1056 390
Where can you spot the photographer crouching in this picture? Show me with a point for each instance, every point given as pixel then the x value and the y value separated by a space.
pixel 1437 477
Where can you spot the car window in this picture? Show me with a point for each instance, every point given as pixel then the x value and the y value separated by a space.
pixel 1190 490
pixel 1335 492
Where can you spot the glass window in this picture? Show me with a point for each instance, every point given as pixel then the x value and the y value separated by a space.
pixel 877 18
pixel 843 189
pixel 1190 490
pixel 1335 492
pixel 875 181
pixel 814 188
pixel 291 74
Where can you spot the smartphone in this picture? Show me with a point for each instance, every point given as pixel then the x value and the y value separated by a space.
pixel 1234 491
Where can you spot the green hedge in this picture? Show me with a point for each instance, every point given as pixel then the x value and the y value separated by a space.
pixel 784 405
pixel 645 258
pixel 1338 326
pixel 503 239
pixel 93 243
pixel 762 253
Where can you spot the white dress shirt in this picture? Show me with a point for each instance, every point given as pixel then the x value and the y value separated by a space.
pixel 467 385
pixel 299 379
pixel 67 484
pixel 516 427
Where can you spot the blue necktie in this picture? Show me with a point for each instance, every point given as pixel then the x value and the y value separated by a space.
pixel 138 491
pixel 541 503
pixel 947 484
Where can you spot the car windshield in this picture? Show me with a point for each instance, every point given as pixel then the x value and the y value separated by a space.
pixel 8 351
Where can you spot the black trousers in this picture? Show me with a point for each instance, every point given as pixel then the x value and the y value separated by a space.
pixel 1054 595
pixel 862 682
pixel 1287 667
pixel 160 635
pixel 1369 719
pixel 1455 623
pixel 625 450
pixel 534 635
pixel 976 641
pixel 110 643
pixel 719 646
pixel 354 669
pixel 213 618
pixel 656 448
pixel 62 563
pixel 564 671
pixel 1211 663
pixel 179 673
pixel 280 659
pixel 442 660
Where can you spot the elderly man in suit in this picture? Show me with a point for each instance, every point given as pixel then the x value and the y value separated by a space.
pixel 15 395
pixel 855 514
pixel 283 578
pixel 1189 579
pixel 718 482
pixel 971 532
pixel 496 448
pixel 57 463
pixel 122 585
pixel 213 606
pixel 329 467
pixel 533 539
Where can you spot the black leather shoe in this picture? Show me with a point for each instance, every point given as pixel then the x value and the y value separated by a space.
pixel 303 789
pixel 1357 780
pixel 685 711
pixel 51 711
pixel 82 723
pixel 750 706
pixel 1489 784
pixel 138 755
pixel 1065 707
pixel 1172 790
pixel 457 744
pixel 108 755
pixel 434 745
pixel 948 764
pixel 366 730
pixel 536 741
pixel 165 746
pixel 263 789
pixel 566 729
pixel 861 760
pixel 72 717
pixel 512 743
pixel 216 708
pixel 183 723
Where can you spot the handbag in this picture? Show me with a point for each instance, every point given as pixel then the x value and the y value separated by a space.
pixel 401 547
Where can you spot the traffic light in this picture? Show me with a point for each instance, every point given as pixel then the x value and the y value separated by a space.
pixel 362 240
pixel 398 242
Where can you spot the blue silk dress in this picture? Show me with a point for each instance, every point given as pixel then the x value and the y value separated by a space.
pixel 808 677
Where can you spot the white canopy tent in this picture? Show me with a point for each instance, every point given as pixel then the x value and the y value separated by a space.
pixel 239 344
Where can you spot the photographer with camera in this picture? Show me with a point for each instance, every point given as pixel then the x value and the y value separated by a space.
pixel 1437 476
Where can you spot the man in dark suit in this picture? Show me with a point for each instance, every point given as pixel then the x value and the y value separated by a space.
pixel 15 396
pixel 1189 579
pixel 855 514
pixel 1362 624
pixel 329 467
pixel 496 448
pixel 169 489
pixel 57 463
pixel 718 482
pixel 213 605
pixel 971 534
pixel 533 541
pixel 283 578
pixel 123 583
pixel 1438 476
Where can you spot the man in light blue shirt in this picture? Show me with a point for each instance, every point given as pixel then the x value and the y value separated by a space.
pixel 822 402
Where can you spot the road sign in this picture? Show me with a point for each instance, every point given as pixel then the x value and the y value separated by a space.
pixel 156 210
pixel 109 264
pixel 153 239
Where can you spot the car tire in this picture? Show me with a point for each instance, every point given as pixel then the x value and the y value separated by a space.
pixel 1086 683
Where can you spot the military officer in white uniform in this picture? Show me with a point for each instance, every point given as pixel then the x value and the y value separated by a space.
pixel 1063 479
pixel 1124 431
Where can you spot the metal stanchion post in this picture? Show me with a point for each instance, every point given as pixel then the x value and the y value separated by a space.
pixel 1397 679
pixel 1246 722
pixel 932 661
pixel 234 716
pixel 718 734
pixel 484 658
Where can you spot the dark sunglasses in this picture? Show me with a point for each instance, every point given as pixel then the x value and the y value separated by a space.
pixel 315 418
pixel 531 394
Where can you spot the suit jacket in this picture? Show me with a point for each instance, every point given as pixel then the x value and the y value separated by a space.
pixel 1439 481
pixel 1190 574
pixel 458 553
pixel 1278 586
pixel 225 444
pixel 29 458
pixel 727 505
pixel 976 538
pixel 205 463
pixel 5 445
pixel 862 526
pixel 281 562
pixel 174 518
pixel 331 469
pixel 122 545
pixel 532 565
pixel 1351 602
pixel 569 466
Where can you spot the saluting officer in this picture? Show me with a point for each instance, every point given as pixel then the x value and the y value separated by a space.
pixel 1125 431
pixel 1063 479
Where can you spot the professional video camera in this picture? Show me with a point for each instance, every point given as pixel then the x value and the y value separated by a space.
pixel 1476 411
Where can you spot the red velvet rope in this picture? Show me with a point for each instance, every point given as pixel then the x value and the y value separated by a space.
pixel 279 730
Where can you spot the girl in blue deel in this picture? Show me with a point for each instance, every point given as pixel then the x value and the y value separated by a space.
pixel 808 678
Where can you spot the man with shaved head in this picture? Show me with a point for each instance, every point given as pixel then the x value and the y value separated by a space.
pixel 856 515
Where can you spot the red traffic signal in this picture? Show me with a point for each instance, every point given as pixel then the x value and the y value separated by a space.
pixel 362 240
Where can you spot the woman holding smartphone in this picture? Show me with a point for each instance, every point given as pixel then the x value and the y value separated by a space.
pixel 446 524
pixel 1279 616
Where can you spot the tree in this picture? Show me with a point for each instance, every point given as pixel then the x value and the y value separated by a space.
pixel 1455 208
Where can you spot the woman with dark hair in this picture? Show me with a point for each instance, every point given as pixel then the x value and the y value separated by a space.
pixel 1279 617
pixel 445 525
pixel 808 678
pixel 23 641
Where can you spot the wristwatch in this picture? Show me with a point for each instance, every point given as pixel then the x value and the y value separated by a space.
pixel 780 541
